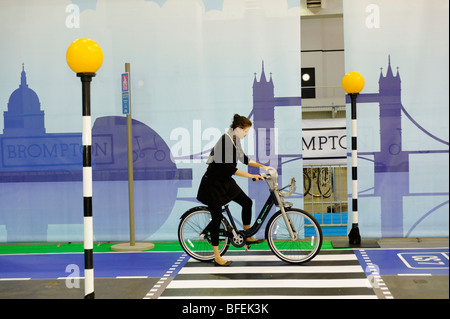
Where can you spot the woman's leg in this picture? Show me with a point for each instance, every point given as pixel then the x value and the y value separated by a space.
pixel 216 214
pixel 246 203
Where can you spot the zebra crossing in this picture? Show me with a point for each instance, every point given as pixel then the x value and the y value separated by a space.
pixel 259 274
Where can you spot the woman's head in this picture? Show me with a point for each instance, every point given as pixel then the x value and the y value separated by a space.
pixel 241 125
pixel 240 121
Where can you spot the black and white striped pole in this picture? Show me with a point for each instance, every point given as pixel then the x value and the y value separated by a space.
pixel 353 83
pixel 85 57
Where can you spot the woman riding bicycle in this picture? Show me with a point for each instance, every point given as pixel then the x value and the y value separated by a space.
pixel 217 186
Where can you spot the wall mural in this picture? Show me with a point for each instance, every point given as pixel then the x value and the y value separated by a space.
pixel 391 163
pixel 403 141
pixel 193 65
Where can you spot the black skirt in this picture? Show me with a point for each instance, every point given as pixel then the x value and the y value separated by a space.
pixel 217 192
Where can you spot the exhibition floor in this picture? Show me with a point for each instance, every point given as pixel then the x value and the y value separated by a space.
pixel 378 269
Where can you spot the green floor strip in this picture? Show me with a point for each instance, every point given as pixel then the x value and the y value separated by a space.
pixel 74 248
pixel 52 248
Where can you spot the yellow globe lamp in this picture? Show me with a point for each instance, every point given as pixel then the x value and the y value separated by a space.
pixel 353 83
pixel 84 56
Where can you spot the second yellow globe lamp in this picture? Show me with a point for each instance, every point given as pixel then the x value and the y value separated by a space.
pixel 353 83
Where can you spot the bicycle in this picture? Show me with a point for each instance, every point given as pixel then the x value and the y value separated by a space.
pixel 293 235
pixel 322 178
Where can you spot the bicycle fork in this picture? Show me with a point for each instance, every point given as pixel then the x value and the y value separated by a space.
pixel 290 227
pixel 292 232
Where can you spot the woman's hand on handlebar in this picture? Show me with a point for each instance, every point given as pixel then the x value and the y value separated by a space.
pixel 257 178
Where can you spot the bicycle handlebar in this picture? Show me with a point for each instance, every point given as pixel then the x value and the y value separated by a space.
pixel 292 188
pixel 272 180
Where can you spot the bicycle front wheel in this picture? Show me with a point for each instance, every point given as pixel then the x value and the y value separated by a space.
pixel 195 239
pixel 325 181
pixel 306 184
pixel 308 239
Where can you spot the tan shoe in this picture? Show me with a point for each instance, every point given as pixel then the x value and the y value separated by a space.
pixel 251 241
pixel 226 264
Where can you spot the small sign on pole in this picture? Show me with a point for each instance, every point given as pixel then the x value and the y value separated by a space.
pixel 126 109
pixel 125 93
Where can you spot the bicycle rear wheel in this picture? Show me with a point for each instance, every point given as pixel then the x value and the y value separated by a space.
pixel 309 236
pixel 194 240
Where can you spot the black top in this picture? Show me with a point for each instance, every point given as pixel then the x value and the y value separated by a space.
pixel 217 186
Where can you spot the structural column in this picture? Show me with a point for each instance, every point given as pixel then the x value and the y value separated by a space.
pixel 354 235
pixel 353 83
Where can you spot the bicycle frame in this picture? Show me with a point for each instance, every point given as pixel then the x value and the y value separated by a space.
pixel 286 242
pixel 275 198
pixel 259 220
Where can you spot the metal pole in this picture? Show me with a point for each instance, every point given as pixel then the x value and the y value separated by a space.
pixel 132 245
pixel 354 236
pixel 86 79
pixel 130 164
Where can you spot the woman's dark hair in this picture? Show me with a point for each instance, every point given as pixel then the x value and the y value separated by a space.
pixel 240 121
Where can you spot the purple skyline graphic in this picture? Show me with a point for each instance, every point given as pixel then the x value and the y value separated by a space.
pixel 29 154
pixel 391 163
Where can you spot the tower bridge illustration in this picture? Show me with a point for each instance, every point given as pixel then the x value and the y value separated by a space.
pixel 263 117
pixel 30 154
pixel 391 162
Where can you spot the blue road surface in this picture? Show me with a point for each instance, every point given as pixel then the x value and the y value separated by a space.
pixel 405 261
pixel 159 264
pixel 106 265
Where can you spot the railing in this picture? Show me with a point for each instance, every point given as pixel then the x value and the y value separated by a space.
pixel 325 195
